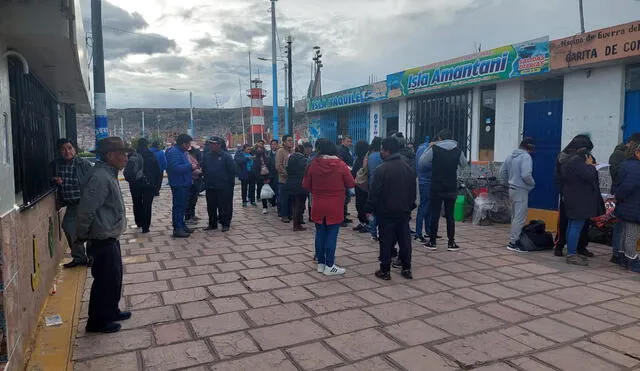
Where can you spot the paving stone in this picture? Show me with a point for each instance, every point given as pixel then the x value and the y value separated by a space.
pixel 327 288
pixel 476 277
pixel 396 311
pixel 335 303
pixel 623 308
pixel 171 333
pixel 605 315
pixel 531 285
pixel 420 358
pixel 252 274
pixel 174 356
pixel 138 277
pixel 144 317
pixel 192 281
pixel 346 321
pixel 293 294
pixel 497 290
pixel 144 301
pixel 453 281
pixel 230 304
pixel 558 280
pixel 536 268
pixel 214 325
pixel 145 288
pixel 631 332
pixel 260 299
pixel 606 353
pixel 571 359
pixel 277 314
pixel 142 267
pixel 371 297
pixel 176 263
pixel 482 348
pixel 234 344
pixel 553 330
pixel 267 361
pixel 442 302
pixel 548 302
pixel 171 273
pixel 504 313
pixel 496 367
pixel 100 345
pixel 473 295
pixel 313 356
pixel 581 321
pixel 527 337
pixel 530 364
pixel 415 332
pixel 225 277
pixel 118 362
pixel 362 344
pixel 298 279
pixel 371 364
pixel 525 307
pixel 263 284
pixel 453 267
pixel 464 322
pixel 581 295
pixel 195 309
pixel 360 283
pixel 625 284
pixel 287 334
pixel 618 342
pixel 231 267
pixel 228 289
pixel 429 286
pixel 185 295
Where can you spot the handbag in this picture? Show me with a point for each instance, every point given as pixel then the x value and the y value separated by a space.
pixel 362 176
pixel 264 170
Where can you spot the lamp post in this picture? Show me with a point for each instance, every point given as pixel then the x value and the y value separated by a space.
pixel 286 84
pixel 581 16
pixel 192 126
pixel 274 68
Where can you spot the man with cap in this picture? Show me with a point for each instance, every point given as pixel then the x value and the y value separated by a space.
pixel 517 170
pixel 219 179
pixel 101 221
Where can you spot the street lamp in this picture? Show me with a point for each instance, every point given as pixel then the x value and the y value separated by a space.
pixel 192 127
pixel 274 68
pixel 286 84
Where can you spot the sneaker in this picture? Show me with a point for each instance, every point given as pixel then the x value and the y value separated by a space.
pixel 420 239
pixel 333 271
pixel 453 246
pixel 406 273
pixel 321 268
pixel 577 260
pixel 107 328
pixel 299 228
pixel 180 233
pixel 265 210
pixel 383 275
pixel 225 228
pixel 74 263
pixel 122 316
pixel 344 224
pixel 514 247
pixel 396 263
pixel 431 245
pixel 585 252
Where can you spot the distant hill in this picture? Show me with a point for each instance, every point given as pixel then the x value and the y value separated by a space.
pixel 169 121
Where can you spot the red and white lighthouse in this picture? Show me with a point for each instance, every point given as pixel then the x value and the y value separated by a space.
pixel 256 93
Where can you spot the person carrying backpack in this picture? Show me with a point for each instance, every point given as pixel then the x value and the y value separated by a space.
pixel 143 173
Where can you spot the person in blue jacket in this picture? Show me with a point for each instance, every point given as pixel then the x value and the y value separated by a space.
pixel 179 170
pixel 424 187
pixel 162 161
pixel 219 180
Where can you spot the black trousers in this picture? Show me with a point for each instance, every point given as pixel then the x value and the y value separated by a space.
pixel 220 206
pixel 159 184
pixel 361 201
pixel 194 191
pixel 299 202
pixel 563 223
pixel 435 206
pixel 248 190
pixel 142 197
pixel 106 289
pixel 390 232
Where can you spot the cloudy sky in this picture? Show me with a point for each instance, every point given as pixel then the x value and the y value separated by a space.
pixel 202 45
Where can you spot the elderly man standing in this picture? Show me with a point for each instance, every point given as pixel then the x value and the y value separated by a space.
pixel 69 170
pixel 101 221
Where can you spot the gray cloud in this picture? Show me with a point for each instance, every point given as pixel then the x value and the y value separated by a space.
pixel 169 63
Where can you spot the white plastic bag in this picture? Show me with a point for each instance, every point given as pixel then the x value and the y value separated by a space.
pixel 266 193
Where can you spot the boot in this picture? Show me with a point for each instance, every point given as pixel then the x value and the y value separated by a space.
pixel 577 260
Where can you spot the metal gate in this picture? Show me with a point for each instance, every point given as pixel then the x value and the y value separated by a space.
pixel 359 124
pixel 34 125
pixel 326 126
pixel 543 122
pixel 427 115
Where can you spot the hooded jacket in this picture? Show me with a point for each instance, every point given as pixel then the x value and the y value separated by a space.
pixel 296 167
pixel 445 158
pixel 615 160
pixel 628 191
pixel 393 193
pixel 219 170
pixel 178 167
pixel 581 189
pixel 517 170
pixel 327 179
pixel 423 170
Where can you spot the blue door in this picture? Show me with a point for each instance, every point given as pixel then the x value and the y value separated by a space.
pixel 631 113
pixel 543 122
pixel 359 124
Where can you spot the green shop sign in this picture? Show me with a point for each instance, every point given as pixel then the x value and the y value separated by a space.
pixel 350 97
pixel 511 61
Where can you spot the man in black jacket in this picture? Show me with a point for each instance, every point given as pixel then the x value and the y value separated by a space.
pixel 143 189
pixel 392 197
pixel 219 179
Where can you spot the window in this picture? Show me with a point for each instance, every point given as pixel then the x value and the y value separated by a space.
pixel 633 78
pixel 34 126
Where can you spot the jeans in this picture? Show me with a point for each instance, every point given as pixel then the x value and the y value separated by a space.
pixel 392 231
pixel 373 226
pixel 519 199
pixel 69 226
pixel 326 242
pixel 424 213
pixel 563 223
pixel 436 207
pixel 285 202
pixel 220 206
pixel 179 209
pixel 248 190
pixel 106 289
pixel 574 230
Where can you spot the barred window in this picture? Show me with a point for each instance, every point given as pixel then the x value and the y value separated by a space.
pixel 34 123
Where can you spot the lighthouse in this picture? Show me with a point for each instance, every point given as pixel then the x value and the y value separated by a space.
pixel 256 93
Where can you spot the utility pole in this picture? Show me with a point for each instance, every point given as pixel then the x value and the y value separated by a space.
pixel 286 100
pixel 581 16
pixel 99 91
pixel 158 122
pixel 122 127
pixel 289 128
pixel 244 135
pixel 274 68
pixel 192 125
pixel 142 135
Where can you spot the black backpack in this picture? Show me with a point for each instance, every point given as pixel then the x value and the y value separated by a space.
pixel 134 171
pixel 534 237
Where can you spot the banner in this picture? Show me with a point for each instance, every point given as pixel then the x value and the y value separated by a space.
pixel 597 46
pixel 511 61
pixel 350 97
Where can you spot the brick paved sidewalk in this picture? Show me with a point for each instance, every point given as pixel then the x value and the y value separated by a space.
pixel 251 299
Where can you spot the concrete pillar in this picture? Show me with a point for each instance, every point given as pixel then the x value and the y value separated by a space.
pixel 402 117
pixel 7 193
pixel 509 118
pixel 375 120
pixel 476 103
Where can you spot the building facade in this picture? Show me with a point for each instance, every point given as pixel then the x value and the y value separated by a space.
pixel 44 82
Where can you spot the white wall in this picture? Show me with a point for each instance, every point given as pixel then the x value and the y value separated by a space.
pixel 375 120
pixel 7 196
pixel 402 118
pixel 476 102
pixel 509 118
pixel 594 104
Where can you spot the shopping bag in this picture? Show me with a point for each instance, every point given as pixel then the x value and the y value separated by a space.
pixel 266 193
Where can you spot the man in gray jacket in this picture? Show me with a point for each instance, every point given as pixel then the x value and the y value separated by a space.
pixel 101 221
pixel 517 170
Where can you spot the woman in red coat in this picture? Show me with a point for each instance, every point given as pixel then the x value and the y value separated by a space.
pixel 327 178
